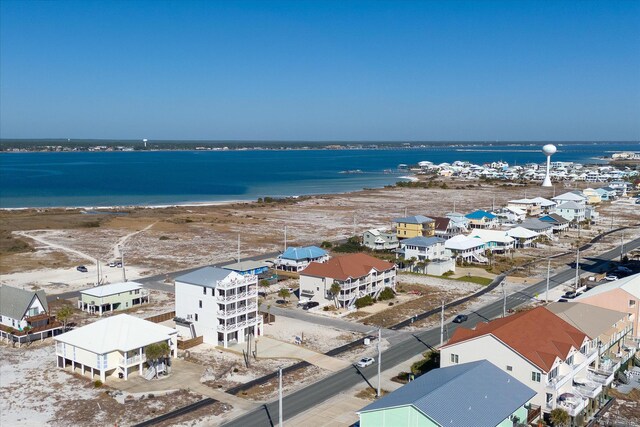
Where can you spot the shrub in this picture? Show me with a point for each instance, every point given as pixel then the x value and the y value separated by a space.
pixel 431 361
pixel 97 383
pixel 326 244
pixel 364 301
pixel 391 304
pixel 164 238
pixel 448 273
pixel 387 293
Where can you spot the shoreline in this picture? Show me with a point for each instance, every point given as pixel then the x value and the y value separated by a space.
pixel 410 178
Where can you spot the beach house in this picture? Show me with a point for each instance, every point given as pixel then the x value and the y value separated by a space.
pixel 446 228
pixel 468 394
pixel 573 212
pixel 482 220
pixel 524 238
pixel 112 346
pixel 114 297
pixel 297 259
pixel 218 304
pixel 248 267
pixel 379 239
pixel 358 275
pixel 530 206
pixel 558 223
pixel 414 226
pixel 542 351
pixel 538 226
pixel 569 197
pixel 466 249
pixel 496 241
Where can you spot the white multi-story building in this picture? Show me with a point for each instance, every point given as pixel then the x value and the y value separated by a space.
pixel 218 304
pixel 297 259
pixel 357 274
pixel 541 350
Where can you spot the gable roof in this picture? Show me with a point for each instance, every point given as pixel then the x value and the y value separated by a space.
pixel 462 243
pixel 205 276
pixel 422 242
pixel 479 214
pixel 466 395
pixel 416 219
pixel 492 235
pixel 344 267
pixel 554 218
pixel 14 302
pixel 538 335
pixel 112 289
pixel 122 332
pixel 545 203
pixel 590 319
pixel 306 252
pixel 570 196
pixel 521 233
pixel 570 205
pixel 442 223
pixel 629 284
pixel 535 224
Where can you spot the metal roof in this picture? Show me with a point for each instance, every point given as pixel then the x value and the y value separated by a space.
pixel 206 276
pixel 307 252
pixel 14 302
pixel 630 284
pixel 570 205
pixel 245 265
pixel 535 224
pixel 422 242
pixel 416 219
pixel 113 289
pixel 479 214
pixel 590 319
pixel 466 395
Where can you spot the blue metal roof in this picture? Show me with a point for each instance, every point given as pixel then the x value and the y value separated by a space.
pixel 479 214
pixel 422 242
pixel 416 219
pixel 206 276
pixel 307 252
pixel 466 395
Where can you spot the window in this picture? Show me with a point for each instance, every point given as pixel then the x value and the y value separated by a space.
pixel 454 358
pixel 200 303
pixel 196 317
pixel 509 368
pixel 553 373
pixel 632 303
pixel 126 304
pixel 204 290
pixel 570 360
pixel 535 376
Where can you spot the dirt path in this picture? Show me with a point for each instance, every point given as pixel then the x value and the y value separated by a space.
pixel 117 254
pixel 54 245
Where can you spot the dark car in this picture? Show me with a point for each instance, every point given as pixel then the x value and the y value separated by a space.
pixel 81 268
pixel 460 318
pixel 310 304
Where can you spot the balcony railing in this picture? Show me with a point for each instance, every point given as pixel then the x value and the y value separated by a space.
pixel 589 389
pixel 232 326
pixel 232 284
pixel 560 380
pixel 600 377
pixel 573 405
pixel 131 360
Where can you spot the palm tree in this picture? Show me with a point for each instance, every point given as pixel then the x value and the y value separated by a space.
pixel 63 315
pixel 155 352
pixel 559 417
pixel 335 291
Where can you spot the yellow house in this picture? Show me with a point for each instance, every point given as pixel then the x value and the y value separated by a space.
pixel 593 197
pixel 414 226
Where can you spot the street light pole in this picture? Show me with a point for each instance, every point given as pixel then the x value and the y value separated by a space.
pixel 546 297
pixel 577 268
pixel 442 325
pixel 504 301
pixel 124 274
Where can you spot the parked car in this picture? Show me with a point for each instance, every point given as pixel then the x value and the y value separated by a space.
pixel 461 318
pixel 366 361
pixel 611 277
pixel 112 264
pixel 624 270
pixel 310 304
pixel 119 264
pixel 570 295
pixel 81 268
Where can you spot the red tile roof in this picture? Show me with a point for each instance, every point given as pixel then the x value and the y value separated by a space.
pixel 344 267
pixel 538 335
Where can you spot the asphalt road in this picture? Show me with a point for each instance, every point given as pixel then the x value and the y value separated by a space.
pixel 301 400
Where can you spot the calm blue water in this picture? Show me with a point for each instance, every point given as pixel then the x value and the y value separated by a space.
pixel 178 177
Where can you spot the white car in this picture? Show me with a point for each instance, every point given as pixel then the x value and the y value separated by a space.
pixel 365 361
pixel 611 278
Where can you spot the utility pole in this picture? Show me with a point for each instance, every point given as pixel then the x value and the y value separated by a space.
pixel 504 301
pixel 238 248
pixel 577 268
pixel 622 246
pixel 280 396
pixel 442 325
pixel 546 297
pixel 354 223
pixel 124 274
pixel 379 359
pixel 285 238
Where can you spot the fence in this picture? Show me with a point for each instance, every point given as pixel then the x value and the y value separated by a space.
pixel 186 344
pixel 161 317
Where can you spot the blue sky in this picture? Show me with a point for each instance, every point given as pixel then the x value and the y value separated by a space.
pixel 321 70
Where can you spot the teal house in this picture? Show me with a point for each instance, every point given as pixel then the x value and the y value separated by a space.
pixel 476 394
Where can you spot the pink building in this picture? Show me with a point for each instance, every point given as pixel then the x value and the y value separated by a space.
pixel 620 295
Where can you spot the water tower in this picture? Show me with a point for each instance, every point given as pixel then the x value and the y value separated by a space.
pixel 548 151
pixel 145 142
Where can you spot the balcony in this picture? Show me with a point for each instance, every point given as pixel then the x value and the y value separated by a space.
pixel 572 403
pixel 132 360
pixel 232 326
pixel 600 377
pixel 555 383
pixel 232 284
pixel 587 388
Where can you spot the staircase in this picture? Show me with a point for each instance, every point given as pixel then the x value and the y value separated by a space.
pixel 192 328
pixel 480 258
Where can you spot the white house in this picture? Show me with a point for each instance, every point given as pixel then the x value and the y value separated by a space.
pixel 540 350
pixel 17 306
pixel 357 274
pixel 572 211
pixel 220 305
pixel 530 206
pixel 111 346
pixel 423 248
pixel 379 239
pixel 523 237
pixel 297 259
pixel 570 197
pixel 466 248
pixel 511 215
pixel 494 240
